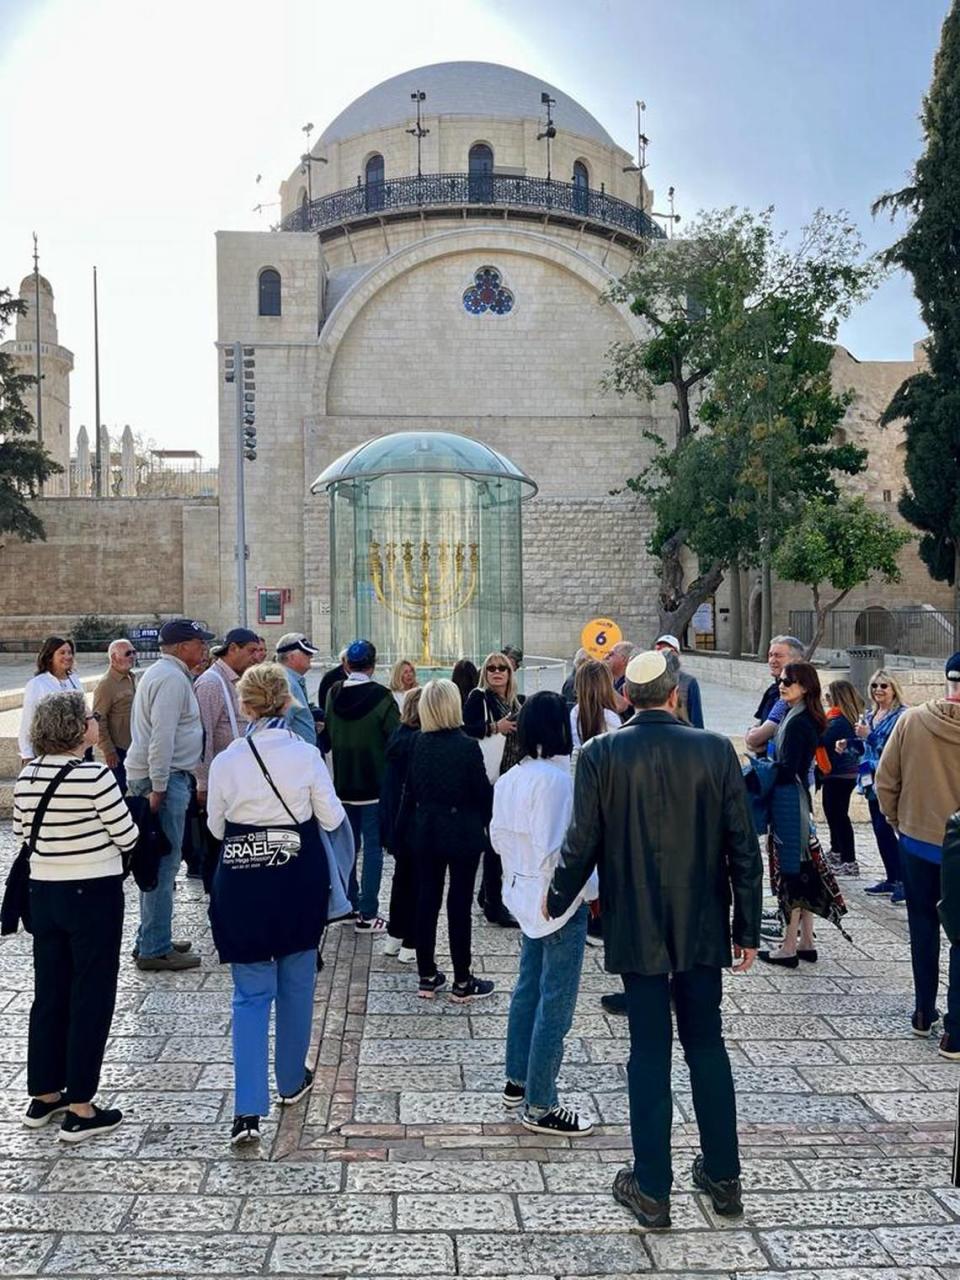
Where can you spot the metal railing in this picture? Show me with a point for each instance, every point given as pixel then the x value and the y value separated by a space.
pixel 921 633
pixel 457 189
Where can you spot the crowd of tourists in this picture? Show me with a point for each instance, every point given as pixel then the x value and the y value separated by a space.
pixel 568 817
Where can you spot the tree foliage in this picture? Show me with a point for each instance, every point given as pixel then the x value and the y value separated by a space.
pixel 841 545
pixel 24 463
pixel 929 249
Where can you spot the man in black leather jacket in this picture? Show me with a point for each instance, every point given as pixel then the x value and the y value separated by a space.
pixel 661 810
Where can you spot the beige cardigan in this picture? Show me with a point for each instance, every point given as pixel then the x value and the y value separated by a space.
pixel 918 778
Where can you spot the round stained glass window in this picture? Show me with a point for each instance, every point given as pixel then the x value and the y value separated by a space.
pixel 487 293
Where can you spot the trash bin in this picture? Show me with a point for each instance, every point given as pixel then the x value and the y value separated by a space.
pixel 864 661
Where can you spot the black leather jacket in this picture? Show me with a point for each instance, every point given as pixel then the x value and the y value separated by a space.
pixel 661 809
pixel 949 906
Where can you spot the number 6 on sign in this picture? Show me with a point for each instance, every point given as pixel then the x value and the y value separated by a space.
pixel 599 636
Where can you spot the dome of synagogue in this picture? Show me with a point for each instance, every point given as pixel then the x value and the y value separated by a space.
pixel 462 89
pixel 439 452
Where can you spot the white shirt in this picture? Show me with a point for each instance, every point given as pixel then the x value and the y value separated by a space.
pixel 532 804
pixel 610 719
pixel 237 791
pixel 34 690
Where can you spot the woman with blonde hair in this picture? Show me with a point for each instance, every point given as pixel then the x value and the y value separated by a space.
pixel 594 710
pixel 269 889
pixel 490 715
pixel 403 678
pixel 838 773
pixel 873 733
pixel 453 800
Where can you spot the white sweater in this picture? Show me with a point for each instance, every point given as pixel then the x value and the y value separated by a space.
pixel 34 690
pixel 87 823
pixel 238 792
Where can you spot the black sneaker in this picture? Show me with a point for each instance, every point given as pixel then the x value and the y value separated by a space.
pixel 726 1195
pixel 560 1121
pixel 501 917
pixel 513 1094
pixel 245 1129
pixel 650 1213
pixel 288 1099
pixel 594 931
pixel 949 1049
pixel 923 1026
pixel 430 986
pixel 615 1002
pixel 76 1128
pixel 39 1113
pixel 472 989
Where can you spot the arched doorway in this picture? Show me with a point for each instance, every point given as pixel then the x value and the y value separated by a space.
pixel 581 187
pixel 373 178
pixel 480 171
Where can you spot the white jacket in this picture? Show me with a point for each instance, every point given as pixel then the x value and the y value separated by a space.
pixel 532 804
pixel 34 690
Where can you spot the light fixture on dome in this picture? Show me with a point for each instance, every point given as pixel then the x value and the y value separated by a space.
pixel 307 160
pixel 550 129
pixel 418 96
pixel 671 217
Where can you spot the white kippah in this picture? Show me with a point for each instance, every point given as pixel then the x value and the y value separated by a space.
pixel 646 667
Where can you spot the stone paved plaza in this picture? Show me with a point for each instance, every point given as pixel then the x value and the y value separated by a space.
pixel 404 1163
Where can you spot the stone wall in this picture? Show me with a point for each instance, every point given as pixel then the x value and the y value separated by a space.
pixel 121 557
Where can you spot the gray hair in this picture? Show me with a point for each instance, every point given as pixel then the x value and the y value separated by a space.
pixel 579 658
pixel 113 644
pixel 791 642
pixel 59 723
pixel 625 647
pixel 655 692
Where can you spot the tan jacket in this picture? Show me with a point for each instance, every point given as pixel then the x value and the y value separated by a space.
pixel 113 699
pixel 918 779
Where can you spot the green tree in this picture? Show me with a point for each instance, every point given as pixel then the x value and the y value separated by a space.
pixel 929 249
pixel 840 545
pixel 24 463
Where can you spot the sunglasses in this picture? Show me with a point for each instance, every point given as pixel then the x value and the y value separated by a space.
pixel 128 653
pixel 784 682
pixel 879 686
pixel 493 668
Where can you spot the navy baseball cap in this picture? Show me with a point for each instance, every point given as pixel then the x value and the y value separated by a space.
pixel 240 635
pixel 953 667
pixel 180 630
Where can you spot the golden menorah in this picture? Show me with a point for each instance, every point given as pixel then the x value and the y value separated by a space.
pixel 425 586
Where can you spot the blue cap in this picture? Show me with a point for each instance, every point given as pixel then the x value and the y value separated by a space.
pixel 180 630
pixel 361 654
pixel 953 667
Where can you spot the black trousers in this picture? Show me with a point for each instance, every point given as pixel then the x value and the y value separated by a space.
pixel 491 893
pixel 432 868
pixel 836 810
pixel 696 993
pixel 403 898
pixel 77 926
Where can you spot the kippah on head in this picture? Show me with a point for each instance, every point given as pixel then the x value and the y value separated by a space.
pixel 646 667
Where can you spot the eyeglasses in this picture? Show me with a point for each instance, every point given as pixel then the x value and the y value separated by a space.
pixel 95 715
pixel 128 653
pixel 879 686
pixel 493 668
pixel 784 682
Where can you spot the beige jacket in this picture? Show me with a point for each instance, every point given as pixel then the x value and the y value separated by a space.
pixel 113 699
pixel 918 779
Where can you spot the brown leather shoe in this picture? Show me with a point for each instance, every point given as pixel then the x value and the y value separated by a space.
pixel 650 1213
pixel 726 1196
pixel 173 960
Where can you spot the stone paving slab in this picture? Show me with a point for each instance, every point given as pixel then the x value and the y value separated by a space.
pixel 403 1161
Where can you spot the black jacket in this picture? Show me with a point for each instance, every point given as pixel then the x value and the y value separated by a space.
pixel 396 811
pixel 661 809
pixel 453 797
pixel 797 749
pixel 949 906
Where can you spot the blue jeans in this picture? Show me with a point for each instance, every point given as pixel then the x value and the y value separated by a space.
pixel 921 883
pixel 886 839
pixel 696 994
pixel 154 936
pixel 365 822
pixel 541 1010
pixel 289 982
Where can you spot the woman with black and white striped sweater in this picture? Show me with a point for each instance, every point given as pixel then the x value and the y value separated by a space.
pixel 76 906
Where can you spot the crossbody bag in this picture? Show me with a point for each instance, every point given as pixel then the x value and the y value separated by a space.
pixel 15 908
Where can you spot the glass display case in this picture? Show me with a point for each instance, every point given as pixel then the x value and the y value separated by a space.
pixel 426 547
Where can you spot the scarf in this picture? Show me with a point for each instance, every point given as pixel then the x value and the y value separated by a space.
pixel 821 755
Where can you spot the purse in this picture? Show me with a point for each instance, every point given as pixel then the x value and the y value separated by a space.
pixel 15 908
pixel 492 747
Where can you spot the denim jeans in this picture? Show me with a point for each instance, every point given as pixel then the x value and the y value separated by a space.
pixel 365 823
pixel 921 883
pixel 289 982
pixel 120 772
pixel 696 994
pixel 887 844
pixel 541 1010
pixel 154 936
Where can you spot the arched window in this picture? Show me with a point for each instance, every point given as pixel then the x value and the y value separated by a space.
pixel 373 176
pixel 581 187
pixel 269 289
pixel 480 169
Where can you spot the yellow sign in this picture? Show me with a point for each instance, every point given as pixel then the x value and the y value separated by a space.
pixel 599 636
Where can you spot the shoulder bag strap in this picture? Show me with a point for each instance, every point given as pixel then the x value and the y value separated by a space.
pixel 273 786
pixel 228 699
pixel 41 810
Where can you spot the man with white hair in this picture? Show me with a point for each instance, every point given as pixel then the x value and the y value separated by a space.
pixel 616 660
pixel 113 702
pixel 772 708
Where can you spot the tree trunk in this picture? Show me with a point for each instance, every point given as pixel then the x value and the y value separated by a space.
pixel 677 619
pixel 766 605
pixel 671 573
pixel 736 612
pixel 820 613
pixel 684 428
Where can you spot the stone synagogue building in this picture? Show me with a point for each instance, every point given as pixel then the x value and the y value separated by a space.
pixel 442 272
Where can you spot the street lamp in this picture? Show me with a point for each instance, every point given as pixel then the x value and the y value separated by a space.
pixel 307 160
pixel 418 131
pixel 671 217
pixel 550 129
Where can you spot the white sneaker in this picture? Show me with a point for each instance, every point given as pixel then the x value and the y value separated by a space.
pixel 407 955
pixel 392 945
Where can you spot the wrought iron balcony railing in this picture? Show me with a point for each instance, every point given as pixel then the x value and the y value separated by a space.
pixel 493 190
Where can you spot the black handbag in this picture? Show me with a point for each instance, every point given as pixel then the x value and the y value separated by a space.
pixel 15 908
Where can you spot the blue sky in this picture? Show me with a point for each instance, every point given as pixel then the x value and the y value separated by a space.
pixel 134 132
